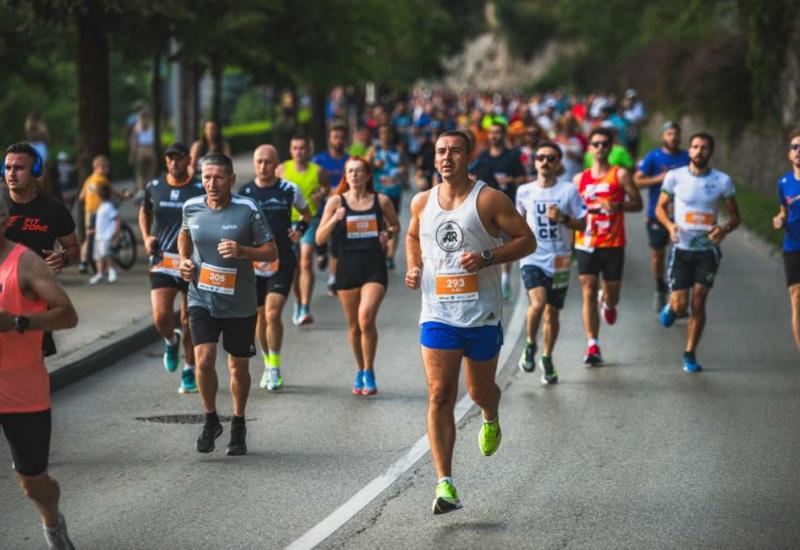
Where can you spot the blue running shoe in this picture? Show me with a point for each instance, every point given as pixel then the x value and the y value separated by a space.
pixel 188 382
pixel 370 388
pixel 690 364
pixel 358 385
pixel 172 353
pixel 667 316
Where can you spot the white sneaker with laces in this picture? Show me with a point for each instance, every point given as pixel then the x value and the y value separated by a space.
pixel 57 537
pixel 112 275
pixel 96 278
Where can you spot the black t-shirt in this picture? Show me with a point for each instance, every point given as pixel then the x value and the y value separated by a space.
pixel 486 166
pixel 38 223
pixel 276 203
pixel 165 203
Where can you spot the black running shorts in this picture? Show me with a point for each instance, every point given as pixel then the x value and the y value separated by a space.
pixel 163 280
pixel 606 261
pixel 657 235
pixel 280 283
pixel 238 333
pixel 690 267
pixel 355 269
pixel 28 436
pixel 791 264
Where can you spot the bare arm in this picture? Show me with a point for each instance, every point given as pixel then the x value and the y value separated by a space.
pixel 634 202
pixel 413 246
pixel 390 218
pixel 185 249
pixel 69 254
pixel 641 180
pixel 780 218
pixel 718 233
pixel 266 252
pixel 333 213
pixel 145 223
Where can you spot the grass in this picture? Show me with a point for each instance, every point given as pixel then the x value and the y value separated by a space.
pixel 757 209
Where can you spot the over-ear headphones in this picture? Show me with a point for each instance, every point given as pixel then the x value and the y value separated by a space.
pixel 36 170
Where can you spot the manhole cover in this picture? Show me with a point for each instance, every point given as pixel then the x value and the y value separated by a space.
pixel 180 419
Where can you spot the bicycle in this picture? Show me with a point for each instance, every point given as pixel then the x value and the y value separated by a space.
pixel 124 250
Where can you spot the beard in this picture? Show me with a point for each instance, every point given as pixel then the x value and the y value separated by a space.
pixel 699 162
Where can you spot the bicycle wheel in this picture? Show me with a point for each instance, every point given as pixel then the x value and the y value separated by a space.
pixel 125 251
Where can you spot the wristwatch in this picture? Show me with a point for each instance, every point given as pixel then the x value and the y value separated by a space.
pixel 565 219
pixel 21 323
pixel 487 256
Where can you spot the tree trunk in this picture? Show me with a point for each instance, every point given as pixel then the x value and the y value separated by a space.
pixel 94 108
pixel 319 96
pixel 197 113
pixel 216 77
pixel 188 112
pixel 156 93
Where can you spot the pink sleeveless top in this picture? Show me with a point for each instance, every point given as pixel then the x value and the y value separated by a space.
pixel 24 381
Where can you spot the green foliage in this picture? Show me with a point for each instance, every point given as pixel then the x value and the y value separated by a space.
pixel 757 209
pixel 251 105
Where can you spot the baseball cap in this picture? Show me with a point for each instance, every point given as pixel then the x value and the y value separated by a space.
pixel 669 125
pixel 177 149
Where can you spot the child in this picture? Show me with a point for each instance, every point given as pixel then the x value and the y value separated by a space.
pixel 90 195
pixel 106 230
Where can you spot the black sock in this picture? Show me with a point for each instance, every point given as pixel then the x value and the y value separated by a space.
pixel 212 418
pixel 661 286
pixel 689 355
pixel 237 421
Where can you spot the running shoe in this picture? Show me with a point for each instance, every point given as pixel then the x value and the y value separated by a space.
pixel 549 374
pixel 304 316
pixel 507 292
pixel 172 353
pixel 112 275
pixel 593 357
pixel 83 268
pixel 322 261
pixel 295 314
pixel 188 382
pixel 370 387
pixel 331 287
pixel 489 437
pixel 526 361
pixel 274 379
pixel 96 279
pixel 446 498
pixel 690 364
pixel 57 537
pixel 205 443
pixel 667 316
pixel 609 313
pixel 390 265
pixel 659 300
pixel 237 445
pixel 358 384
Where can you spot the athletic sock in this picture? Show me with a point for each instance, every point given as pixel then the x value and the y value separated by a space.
pixel 265 355
pixel 594 342
pixel 331 279
pixel 171 342
pixel 274 359
pixel 448 479
pixel 492 421
pixel 237 421
pixel 187 366
pixel 212 418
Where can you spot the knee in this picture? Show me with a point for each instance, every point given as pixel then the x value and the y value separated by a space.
pixel 550 315
pixel 440 398
pixel 239 368
pixel 366 323
pixel 481 395
pixel 162 319
pixel 354 327
pixel 204 359
pixel 273 316
pixel 699 302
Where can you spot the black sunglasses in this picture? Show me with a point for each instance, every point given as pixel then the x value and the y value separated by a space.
pixel 548 158
pixel 795 147
pixel 600 144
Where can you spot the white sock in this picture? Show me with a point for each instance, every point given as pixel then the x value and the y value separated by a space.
pixel 331 279
pixel 489 421
pixel 448 479
pixel 504 278
pixel 594 342
pixel 187 366
pixel 171 341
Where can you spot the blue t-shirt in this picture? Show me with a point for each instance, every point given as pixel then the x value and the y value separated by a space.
pixel 789 191
pixel 655 162
pixel 333 166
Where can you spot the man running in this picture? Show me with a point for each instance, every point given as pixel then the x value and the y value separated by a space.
pixel 454 252
pixel 650 174
pixel 313 182
pixel 276 198
pixel 31 301
pixel 501 169
pixel 788 219
pixel 332 161
pixel 36 221
pixel 160 219
pixel 554 210
pixel 608 192
pixel 390 171
pixel 221 236
pixel 695 191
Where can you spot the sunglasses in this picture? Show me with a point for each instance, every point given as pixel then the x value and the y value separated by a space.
pixel 795 147
pixel 600 144
pixel 548 158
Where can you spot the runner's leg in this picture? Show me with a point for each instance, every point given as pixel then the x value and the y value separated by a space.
pixel 591 321
pixel 188 345
pixel 551 328
pixel 351 300
pixel 207 381
pixel 274 325
pixel 697 320
pixel 306 278
pixel 44 491
pixel 441 370
pixel 538 299
pixel 611 291
pixel 371 297
pixel 163 300
pixel 794 296
pixel 240 382
pixel 479 377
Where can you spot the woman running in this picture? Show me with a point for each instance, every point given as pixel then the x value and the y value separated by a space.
pixel 362 221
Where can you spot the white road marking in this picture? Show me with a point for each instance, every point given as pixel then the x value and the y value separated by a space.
pixel 361 499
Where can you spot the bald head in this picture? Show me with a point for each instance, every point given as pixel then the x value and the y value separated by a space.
pixel 265 161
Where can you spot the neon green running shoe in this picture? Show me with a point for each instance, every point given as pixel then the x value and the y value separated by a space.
pixel 446 498
pixel 489 438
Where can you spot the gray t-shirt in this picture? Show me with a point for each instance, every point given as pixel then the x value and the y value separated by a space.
pixel 226 288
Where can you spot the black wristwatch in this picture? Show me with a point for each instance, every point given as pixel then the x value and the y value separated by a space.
pixel 565 219
pixel 21 323
pixel 487 256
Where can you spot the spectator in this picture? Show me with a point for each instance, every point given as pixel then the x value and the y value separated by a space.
pixel 210 142
pixel 142 155
pixel 36 133
pixel 106 232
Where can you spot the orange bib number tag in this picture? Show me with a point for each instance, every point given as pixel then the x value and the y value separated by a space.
pixel 169 265
pixel 221 280
pixel 699 220
pixel 266 269
pixel 561 266
pixel 456 287
pixel 362 226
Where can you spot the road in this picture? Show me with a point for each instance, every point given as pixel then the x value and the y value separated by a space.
pixel 635 454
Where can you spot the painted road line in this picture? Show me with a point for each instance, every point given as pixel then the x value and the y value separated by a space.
pixel 370 492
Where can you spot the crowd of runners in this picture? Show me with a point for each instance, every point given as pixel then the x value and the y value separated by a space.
pixel 545 182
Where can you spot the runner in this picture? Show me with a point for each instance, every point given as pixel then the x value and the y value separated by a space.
pixel 314 184
pixel 363 222
pixel 650 173
pixel 221 235
pixel 601 247
pixel 788 219
pixel 160 219
pixel 454 251
pixel 694 259
pixel 36 221
pixel 553 209
pixel 276 198
pixel 31 301
pixel 391 170
pixel 500 167
pixel 332 161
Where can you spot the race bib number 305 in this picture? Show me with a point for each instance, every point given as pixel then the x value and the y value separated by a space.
pixel 221 280
pixel 456 287
pixel 362 226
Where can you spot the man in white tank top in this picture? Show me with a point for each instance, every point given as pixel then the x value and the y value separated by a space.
pixel 454 253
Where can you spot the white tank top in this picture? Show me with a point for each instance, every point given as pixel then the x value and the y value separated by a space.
pixel 450 294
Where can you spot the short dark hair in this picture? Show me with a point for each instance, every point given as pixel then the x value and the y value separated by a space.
pixel 298 137
pixel 217 159
pixel 551 145
pixel 23 149
pixel 105 192
pixel 601 131
pixel 704 136
pixel 339 128
pixel 794 134
pixel 459 134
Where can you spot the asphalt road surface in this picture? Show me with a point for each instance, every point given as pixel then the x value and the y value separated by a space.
pixel 635 454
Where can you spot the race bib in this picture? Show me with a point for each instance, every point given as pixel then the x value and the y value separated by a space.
pixel 267 269
pixel 698 220
pixel 221 280
pixel 561 267
pixel 169 265
pixel 362 226
pixel 456 287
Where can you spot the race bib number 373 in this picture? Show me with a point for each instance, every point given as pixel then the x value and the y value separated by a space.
pixel 221 280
